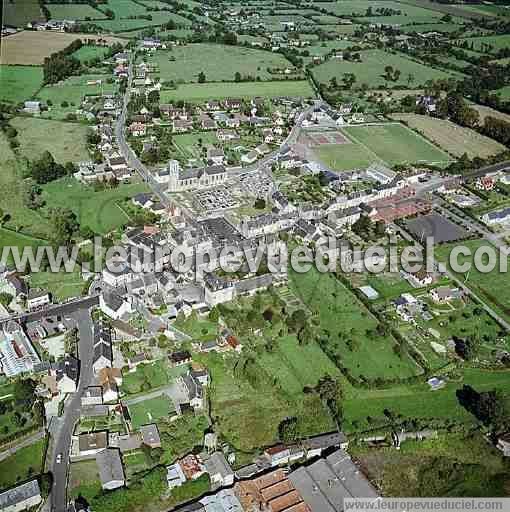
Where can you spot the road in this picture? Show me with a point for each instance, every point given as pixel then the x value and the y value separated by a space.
pixel 66 309
pixel 62 434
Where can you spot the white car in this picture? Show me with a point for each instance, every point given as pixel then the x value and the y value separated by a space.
pixel 59 458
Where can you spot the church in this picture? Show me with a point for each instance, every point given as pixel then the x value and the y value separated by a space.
pixel 195 178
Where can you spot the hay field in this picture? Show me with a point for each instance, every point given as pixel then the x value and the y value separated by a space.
pixel 455 139
pixel 31 47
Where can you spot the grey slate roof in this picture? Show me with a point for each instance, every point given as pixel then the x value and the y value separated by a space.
pixel 19 494
pixel 109 464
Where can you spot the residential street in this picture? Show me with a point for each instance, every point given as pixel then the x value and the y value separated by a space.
pixel 64 428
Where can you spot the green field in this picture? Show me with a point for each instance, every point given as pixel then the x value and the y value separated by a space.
pixel 73 91
pixel 491 287
pixel 18 13
pixel 394 143
pixel 62 285
pixel 151 376
pixel 370 70
pixel 98 210
pixel 19 83
pixel 24 464
pixel 74 12
pixel 486 44
pixel 12 202
pixel 150 411
pixel 202 92
pixel 337 307
pixel 65 141
pixel 386 143
pixel 157 18
pixel 218 62
pixel 432 27
pixel 87 53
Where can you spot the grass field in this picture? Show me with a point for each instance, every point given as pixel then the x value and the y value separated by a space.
pixel 504 92
pixel 150 410
pixel 386 143
pixel 248 418
pixel 73 91
pixel 18 13
pixel 336 307
pixel 74 12
pixel 218 62
pixel 87 53
pixel 61 285
pixel 394 143
pixel 12 202
pixel 25 463
pixel 484 112
pixel 455 139
pixel 84 479
pixel 19 83
pixel 432 27
pixel 30 47
pixel 487 44
pixel 66 141
pixel 98 210
pixel 157 18
pixel 370 70
pixel 202 92
pixel 150 376
pixel 491 287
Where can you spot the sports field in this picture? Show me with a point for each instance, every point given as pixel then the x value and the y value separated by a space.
pixel 385 143
pixel 66 141
pixel 98 210
pixel 371 70
pixel 150 410
pixel 394 143
pixel 19 83
pixel 203 92
pixel 31 47
pixel 218 62
pixel 74 12
pixel 455 139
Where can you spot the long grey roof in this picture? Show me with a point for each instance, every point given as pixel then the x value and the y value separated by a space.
pixel 110 465
pixel 19 494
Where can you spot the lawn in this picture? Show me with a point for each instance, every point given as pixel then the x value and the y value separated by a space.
pixel 202 92
pixel 454 139
pixel 62 285
pixel 19 83
pixel 491 287
pixel 12 202
pixel 395 144
pixel 370 70
pixel 97 209
pixel 84 479
pixel 150 411
pixel 74 12
pixel 150 376
pixel 350 326
pixel 25 463
pixel 65 141
pixel 218 62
